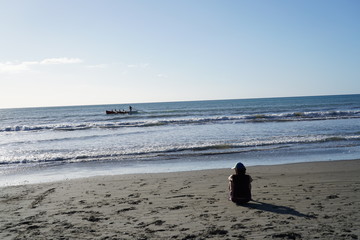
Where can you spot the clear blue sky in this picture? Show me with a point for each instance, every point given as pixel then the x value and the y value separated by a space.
pixel 82 52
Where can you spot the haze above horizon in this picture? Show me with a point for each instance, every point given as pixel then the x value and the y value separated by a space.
pixel 59 53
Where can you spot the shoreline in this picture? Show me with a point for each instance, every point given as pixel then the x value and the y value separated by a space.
pixel 292 201
pixel 54 172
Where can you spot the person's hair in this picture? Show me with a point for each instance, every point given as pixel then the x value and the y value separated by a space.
pixel 240 171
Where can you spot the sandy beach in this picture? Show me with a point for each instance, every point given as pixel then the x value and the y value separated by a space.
pixel 317 200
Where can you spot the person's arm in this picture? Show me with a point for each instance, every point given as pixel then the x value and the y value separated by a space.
pixel 231 186
pixel 250 180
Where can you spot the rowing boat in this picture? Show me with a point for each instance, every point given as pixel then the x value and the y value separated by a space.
pixel 120 112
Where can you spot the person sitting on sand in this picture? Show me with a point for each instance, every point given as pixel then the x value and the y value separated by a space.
pixel 240 185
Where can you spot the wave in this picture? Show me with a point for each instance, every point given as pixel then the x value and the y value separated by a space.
pixel 258 143
pixel 166 152
pixel 191 120
pixel 67 127
pixel 303 116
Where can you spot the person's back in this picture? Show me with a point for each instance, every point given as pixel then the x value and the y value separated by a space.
pixel 240 185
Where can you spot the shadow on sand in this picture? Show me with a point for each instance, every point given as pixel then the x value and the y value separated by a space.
pixel 274 209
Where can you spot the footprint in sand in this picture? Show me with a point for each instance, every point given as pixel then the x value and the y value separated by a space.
pixel 176 207
pixel 125 210
pixel 286 235
pixel 332 197
pixel 212 200
pixel 238 226
pixel 134 195
pixel 158 222
pixel 134 202
pixel 41 197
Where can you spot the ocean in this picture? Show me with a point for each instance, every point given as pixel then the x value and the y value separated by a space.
pixel 57 143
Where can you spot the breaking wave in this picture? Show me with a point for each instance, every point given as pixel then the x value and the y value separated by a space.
pixel 177 151
pixel 148 122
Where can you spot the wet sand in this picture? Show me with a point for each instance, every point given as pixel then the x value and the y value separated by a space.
pixel 294 201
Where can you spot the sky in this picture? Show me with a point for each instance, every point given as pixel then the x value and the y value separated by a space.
pixel 81 52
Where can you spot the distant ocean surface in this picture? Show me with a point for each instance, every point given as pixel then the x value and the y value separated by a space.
pixel 55 143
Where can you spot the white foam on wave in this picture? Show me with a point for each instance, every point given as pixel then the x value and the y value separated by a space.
pixel 256 117
pixel 163 150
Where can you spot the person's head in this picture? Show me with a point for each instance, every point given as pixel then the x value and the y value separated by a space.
pixel 239 168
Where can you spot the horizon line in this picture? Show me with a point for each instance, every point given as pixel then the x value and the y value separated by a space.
pixel 198 100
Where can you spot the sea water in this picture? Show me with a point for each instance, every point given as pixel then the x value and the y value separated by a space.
pixel 56 143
